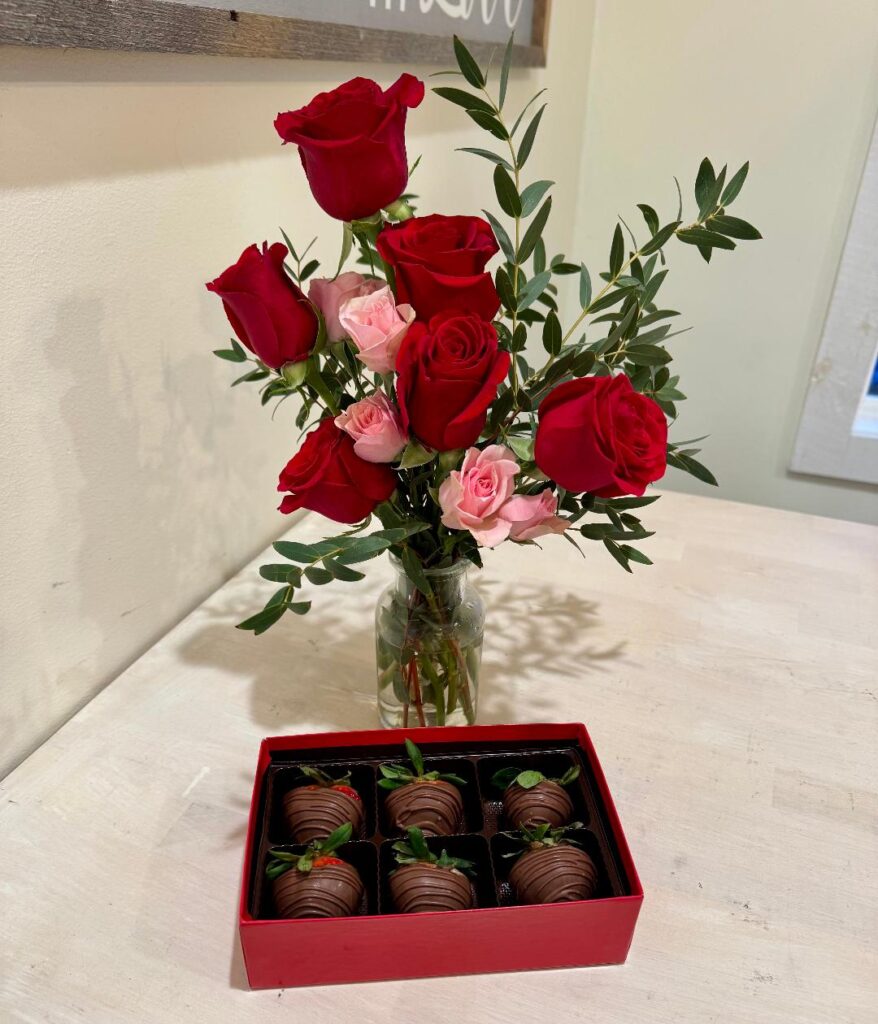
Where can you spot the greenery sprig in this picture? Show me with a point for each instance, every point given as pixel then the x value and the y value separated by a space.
pixel 529 778
pixel 542 835
pixel 416 851
pixel 397 775
pixel 281 861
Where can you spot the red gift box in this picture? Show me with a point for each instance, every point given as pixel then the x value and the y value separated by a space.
pixel 497 934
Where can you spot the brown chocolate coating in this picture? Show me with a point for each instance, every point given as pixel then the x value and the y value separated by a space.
pixel 315 813
pixel 436 808
pixel 333 890
pixel 419 887
pixel 554 874
pixel 546 803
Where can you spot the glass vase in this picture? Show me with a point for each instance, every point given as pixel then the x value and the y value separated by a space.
pixel 429 649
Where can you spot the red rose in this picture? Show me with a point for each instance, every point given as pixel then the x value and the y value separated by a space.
pixel 267 311
pixel 352 144
pixel 598 434
pixel 439 264
pixel 327 477
pixel 448 374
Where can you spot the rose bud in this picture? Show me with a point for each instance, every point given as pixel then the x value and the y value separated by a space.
pixel 376 326
pixel 352 144
pixel 449 372
pixel 439 263
pixel 374 425
pixel 533 515
pixel 330 294
pixel 268 313
pixel 327 476
pixel 598 434
pixel 474 496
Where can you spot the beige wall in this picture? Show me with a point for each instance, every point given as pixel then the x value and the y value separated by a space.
pixel 793 86
pixel 134 482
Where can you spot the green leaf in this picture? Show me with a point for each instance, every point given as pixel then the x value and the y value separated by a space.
pixel 650 216
pixel 489 123
pixel 610 299
pixel 528 138
pixel 337 838
pixel 308 270
pixel 651 287
pixel 504 288
pixel 295 551
pixel 529 779
pixel 584 286
pixel 692 467
pixel 414 569
pixel 703 237
pixel 659 238
pixel 552 334
pixel 523 447
pixel 342 572
pixel 504 777
pixel 257 374
pixel 617 251
pixel 531 196
pixel 464 99
pixel 504 71
pixel 415 756
pixel 280 573
pixel 634 555
pixel 539 255
pixel 735 185
pixel 534 231
pixel 364 549
pixel 507 195
pixel 533 289
pixel 230 354
pixel 416 454
pixel 263 620
pixel 704 182
pixel 347 243
pixel 487 155
pixel 618 554
pixel 648 355
pixel 467 64
pixel 418 843
pixel 734 227
pixel 502 237
pixel 318 576
pixel 299 607
pixel 525 109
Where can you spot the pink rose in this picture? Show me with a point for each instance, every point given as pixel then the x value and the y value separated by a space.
pixel 374 425
pixel 533 515
pixel 376 326
pixel 329 294
pixel 472 497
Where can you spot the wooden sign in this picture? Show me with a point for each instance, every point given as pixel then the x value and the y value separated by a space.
pixel 356 31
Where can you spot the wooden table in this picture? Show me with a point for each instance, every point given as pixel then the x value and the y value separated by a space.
pixel 731 691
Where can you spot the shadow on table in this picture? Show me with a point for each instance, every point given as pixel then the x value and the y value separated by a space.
pixel 318 670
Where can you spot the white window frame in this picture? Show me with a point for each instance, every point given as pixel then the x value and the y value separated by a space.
pixel 838 431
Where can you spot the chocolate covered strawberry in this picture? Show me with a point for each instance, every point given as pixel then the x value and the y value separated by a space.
pixel 551 869
pixel 316 883
pixel 529 798
pixel 424 881
pixel 429 801
pixel 314 811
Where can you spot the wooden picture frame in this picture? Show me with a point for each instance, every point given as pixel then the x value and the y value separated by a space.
pixel 166 27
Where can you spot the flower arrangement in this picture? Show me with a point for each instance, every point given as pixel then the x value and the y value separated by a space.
pixel 418 398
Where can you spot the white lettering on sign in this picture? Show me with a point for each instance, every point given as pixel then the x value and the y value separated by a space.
pixel 461 9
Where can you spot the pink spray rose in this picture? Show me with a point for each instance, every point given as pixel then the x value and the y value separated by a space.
pixel 376 326
pixel 472 497
pixel 374 425
pixel 330 293
pixel 533 515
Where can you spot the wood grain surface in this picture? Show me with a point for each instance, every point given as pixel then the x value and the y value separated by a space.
pixel 732 696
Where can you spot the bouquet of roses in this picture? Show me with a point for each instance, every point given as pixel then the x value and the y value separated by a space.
pixel 419 401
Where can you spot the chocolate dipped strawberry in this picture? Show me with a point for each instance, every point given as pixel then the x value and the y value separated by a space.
pixel 316 810
pixel 529 798
pixel 429 801
pixel 551 869
pixel 427 882
pixel 316 883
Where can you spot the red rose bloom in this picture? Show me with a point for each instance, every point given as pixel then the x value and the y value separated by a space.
pixel 269 314
pixel 352 144
pixel 599 435
pixel 448 374
pixel 326 476
pixel 439 264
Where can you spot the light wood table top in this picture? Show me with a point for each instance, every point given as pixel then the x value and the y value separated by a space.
pixel 731 692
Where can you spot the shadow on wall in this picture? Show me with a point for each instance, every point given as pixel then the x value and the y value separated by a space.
pixel 534 633
pixel 118 113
